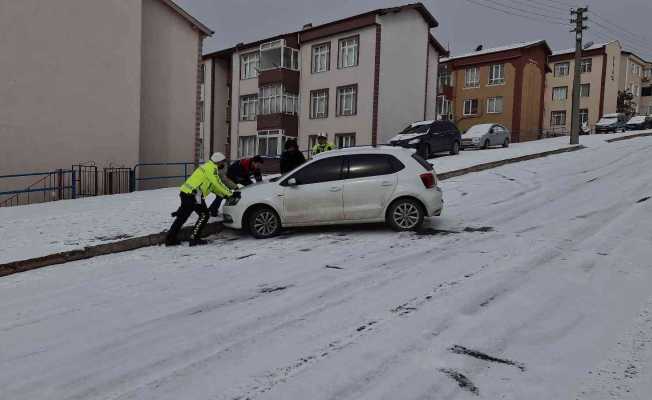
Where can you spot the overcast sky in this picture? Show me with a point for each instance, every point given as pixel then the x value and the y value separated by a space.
pixel 462 24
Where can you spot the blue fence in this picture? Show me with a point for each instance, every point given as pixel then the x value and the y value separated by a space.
pixel 181 171
pixel 48 186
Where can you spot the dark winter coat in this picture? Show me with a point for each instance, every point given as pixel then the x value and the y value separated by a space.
pixel 290 160
pixel 243 173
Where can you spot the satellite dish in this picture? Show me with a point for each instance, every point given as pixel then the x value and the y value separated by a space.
pixel 587 45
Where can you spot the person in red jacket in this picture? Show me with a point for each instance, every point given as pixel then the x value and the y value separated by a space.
pixel 244 172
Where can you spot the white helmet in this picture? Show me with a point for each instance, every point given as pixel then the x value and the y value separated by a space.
pixel 323 135
pixel 218 157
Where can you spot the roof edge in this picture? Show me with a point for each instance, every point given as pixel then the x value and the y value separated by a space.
pixel 193 21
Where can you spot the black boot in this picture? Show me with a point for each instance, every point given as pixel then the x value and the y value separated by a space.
pixel 169 242
pixel 197 242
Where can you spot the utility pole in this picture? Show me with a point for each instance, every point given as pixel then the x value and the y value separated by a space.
pixel 578 18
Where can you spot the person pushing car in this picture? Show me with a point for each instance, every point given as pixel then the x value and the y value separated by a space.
pixel 204 180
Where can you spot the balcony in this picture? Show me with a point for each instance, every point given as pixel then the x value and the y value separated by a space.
pixel 446 90
pixel 286 77
pixel 289 123
pixel 279 64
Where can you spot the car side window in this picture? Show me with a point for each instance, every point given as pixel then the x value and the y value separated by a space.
pixel 326 170
pixel 443 127
pixel 366 165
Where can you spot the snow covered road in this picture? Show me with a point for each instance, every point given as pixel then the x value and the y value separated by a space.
pixel 531 286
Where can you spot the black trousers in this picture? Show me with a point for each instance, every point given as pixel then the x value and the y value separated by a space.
pixel 215 206
pixel 188 206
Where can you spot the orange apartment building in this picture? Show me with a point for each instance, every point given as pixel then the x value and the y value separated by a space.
pixel 503 85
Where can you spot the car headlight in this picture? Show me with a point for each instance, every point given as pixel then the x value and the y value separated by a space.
pixel 476 139
pixel 414 141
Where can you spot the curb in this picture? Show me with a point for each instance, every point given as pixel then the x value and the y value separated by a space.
pixel 495 164
pixel 155 239
pixel 639 135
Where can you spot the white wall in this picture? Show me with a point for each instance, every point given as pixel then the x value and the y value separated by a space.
pixel 402 71
pixel 362 75
pixel 69 83
pixel 433 73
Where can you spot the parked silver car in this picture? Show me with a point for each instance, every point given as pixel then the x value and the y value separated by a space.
pixel 485 135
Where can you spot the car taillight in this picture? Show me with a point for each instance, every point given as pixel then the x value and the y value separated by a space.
pixel 428 180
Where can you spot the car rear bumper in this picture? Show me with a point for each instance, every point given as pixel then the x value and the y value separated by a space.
pixel 434 201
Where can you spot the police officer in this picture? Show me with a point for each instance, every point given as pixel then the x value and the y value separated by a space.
pixel 204 180
pixel 322 145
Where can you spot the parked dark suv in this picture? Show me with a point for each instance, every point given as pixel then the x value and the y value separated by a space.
pixel 430 137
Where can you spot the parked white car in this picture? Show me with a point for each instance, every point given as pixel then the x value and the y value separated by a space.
pixel 348 186
pixel 485 135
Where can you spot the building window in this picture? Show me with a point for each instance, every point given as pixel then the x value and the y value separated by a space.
pixel 471 107
pixel 560 93
pixel 273 100
pixel 246 146
pixel 343 140
pixel 586 65
pixel 636 91
pixel 444 77
pixel 562 69
pixel 249 64
pixel 275 55
pixel 348 52
pixel 494 105
pixel 319 104
pixel 270 143
pixel 584 116
pixel 497 74
pixel 558 118
pixel 472 77
pixel 248 107
pixel 321 57
pixel 444 108
pixel 585 90
pixel 347 100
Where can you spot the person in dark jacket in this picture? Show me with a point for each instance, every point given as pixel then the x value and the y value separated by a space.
pixel 244 172
pixel 291 157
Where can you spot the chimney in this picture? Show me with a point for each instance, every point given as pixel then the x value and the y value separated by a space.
pixel 307 26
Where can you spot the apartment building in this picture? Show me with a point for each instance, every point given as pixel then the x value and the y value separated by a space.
pixel 502 85
pixel 600 82
pixel 632 78
pixel 359 80
pixel 646 91
pixel 106 81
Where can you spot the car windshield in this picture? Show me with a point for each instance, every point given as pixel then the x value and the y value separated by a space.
pixel 637 120
pixel 416 129
pixel 477 131
pixel 607 121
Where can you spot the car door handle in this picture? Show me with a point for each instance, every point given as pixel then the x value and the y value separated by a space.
pixel 335 189
pixel 387 183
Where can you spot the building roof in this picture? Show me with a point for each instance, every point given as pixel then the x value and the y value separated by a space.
pixel 572 51
pixel 435 43
pixel 515 46
pixel 634 55
pixel 193 21
pixel 419 7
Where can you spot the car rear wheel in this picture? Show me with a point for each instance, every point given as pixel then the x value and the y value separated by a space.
pixel 486 144
pixel 405 215
pixel 506 143
pixel 456 148
pixel 425 151
pixel 263 223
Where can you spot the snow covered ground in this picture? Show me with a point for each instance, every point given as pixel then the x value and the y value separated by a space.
pixel 42 229
pixel 535 284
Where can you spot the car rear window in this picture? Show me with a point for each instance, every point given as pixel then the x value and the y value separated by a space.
pixel 425 164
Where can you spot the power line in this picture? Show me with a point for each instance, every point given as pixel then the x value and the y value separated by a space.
pixel 641 40
pixel 555 7
pixel 563 3
pixel 539 6
pixel 526 16
pixel 522 10
pixel 609 37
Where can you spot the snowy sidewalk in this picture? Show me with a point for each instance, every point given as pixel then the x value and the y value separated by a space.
pixel 42 229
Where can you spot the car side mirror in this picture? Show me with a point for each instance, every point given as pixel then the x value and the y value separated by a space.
pixel 292 182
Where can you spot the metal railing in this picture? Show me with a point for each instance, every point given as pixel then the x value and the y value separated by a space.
pixel 136 178
pixel 49 186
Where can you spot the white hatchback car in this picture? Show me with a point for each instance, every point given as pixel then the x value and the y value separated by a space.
pixel 348 186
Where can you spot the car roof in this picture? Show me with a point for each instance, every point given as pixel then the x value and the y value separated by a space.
pixel 379 149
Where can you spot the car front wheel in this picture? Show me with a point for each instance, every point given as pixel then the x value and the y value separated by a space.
pixel 506 143
pixel 263 223
pixel 405 215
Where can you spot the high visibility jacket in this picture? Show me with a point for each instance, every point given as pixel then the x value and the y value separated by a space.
pixel 320 148
pixel 206 179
